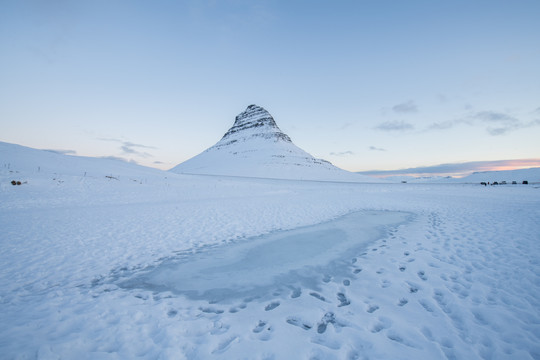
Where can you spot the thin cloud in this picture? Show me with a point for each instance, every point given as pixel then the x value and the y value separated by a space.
pixel 343 153
pixel 127 147
pixel 373 148
pixel 406 107
pixel 394 126
pixel 501 123
pixel 495 123
pixel 443 125
pixel 493 116
pixel 62 152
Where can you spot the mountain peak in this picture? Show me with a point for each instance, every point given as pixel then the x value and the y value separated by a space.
pixel 255 147
pixel 255 121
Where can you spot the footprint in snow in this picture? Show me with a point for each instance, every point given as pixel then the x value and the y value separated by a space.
pixel 383 323
pixel 328 318
pixel 236 309
pixel 210 310
pixel 271 306
pixel 263 330
pixel 426 305
pixel 224 346
pixel 295 321
pixel 422 275
pixel 260 327
pixel 317 296
pixel 219 328
pixel 403 302
pixel 413 288
pixel 372 308
pixel 296 293
pixel 343 301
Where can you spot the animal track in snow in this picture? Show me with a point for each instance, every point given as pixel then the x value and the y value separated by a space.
pixel 372 308
pixel 422 275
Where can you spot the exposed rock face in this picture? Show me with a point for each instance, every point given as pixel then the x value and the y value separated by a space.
pixel 253 122
pixel 256 147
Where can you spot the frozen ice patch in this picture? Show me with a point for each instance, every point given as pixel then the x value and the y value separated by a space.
pixel 257 266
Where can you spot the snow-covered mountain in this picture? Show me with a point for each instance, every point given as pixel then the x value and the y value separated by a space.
pixel 256 147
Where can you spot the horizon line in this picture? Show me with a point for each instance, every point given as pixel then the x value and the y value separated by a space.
pixel 457 170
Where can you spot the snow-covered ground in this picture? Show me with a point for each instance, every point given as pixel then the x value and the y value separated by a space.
pixel 106 260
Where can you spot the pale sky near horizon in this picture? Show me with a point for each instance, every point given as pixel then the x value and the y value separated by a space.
pixel 364 84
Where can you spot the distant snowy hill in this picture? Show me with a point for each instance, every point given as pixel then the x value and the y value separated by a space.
pixel 532 175
pixel 17 159
pixel 255 147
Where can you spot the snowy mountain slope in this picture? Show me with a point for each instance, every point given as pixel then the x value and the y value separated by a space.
pixel 22 159
pixel 255 147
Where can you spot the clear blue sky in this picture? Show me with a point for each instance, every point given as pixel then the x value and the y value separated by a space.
pixel 364 84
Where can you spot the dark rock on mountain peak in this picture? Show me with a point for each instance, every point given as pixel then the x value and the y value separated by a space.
pixel 255 121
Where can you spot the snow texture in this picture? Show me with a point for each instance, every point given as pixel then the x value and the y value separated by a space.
pixel 101 259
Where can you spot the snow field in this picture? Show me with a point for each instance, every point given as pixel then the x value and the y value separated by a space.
pixel 459 280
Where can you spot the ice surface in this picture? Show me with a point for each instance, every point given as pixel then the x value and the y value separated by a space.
pixel 255 266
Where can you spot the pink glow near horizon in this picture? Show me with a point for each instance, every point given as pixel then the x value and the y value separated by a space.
pixel 469 168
